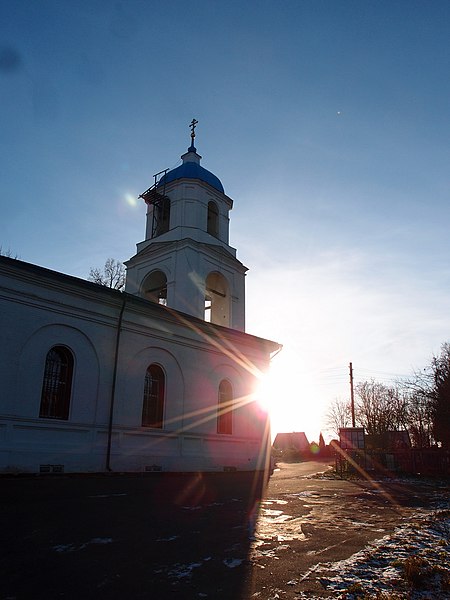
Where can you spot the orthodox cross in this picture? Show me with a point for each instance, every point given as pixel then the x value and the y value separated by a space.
pixel 192 125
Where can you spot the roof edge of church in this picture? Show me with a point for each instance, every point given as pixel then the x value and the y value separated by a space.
pixel 130 299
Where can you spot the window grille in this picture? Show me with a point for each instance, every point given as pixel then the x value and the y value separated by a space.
pixel 225 408
pixel 153 404
pixel 57 384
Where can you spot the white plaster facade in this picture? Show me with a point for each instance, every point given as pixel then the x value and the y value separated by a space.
pixel 187 252
pixel 113 337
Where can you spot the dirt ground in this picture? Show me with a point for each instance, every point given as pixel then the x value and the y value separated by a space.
pixel 190 536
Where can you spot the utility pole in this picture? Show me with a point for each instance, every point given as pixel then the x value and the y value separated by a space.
pixel 352 395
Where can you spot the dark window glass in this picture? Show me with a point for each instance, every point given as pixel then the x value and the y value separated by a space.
pixel 161 216
pixel 225 408
pixel 153 405
pixel 57 384
pixel 213 219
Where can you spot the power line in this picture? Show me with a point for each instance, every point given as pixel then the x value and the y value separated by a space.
pixel 384 373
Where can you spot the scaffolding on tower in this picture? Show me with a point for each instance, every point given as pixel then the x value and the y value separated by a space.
pixel 156 197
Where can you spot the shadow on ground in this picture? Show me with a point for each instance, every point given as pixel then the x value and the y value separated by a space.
pixel 217 535
pixel 127 536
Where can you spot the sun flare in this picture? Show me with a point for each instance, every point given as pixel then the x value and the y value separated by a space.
pixel 265 392
pixel 287 395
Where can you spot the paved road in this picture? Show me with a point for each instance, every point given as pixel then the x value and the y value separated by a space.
pixel 305 521
pixel 188 536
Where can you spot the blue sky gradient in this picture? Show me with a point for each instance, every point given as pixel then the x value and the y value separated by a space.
pixel 327 122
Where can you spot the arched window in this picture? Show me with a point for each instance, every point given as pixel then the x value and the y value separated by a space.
pixel 57 384
pixel 225 408
pixel 153 404
pixel 154 287
pixel 213 219
pixel 217 300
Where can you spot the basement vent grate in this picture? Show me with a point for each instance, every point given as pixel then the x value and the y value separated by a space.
pixel 51 468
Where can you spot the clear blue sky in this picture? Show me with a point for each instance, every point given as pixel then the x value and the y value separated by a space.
pixel 328 123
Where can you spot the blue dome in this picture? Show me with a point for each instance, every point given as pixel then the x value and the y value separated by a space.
pixel 192 170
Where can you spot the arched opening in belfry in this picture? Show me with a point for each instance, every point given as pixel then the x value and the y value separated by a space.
pixel 154 287
pixel 161 216
pixel 217 300
pixel 213 219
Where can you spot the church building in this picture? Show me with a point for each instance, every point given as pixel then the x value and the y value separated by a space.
pixel 160 377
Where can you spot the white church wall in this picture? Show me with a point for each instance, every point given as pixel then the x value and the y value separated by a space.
pixel 40 309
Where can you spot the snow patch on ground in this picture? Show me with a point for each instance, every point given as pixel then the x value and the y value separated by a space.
pixel 77 547
pixel 231 563
pixel 172 538
pixel 180 571
pixel 380 567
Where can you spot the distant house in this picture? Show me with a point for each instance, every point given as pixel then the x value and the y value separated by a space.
pixel 294 440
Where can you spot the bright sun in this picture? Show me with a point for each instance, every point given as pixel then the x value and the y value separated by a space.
pixel 287 396
pixel 265 392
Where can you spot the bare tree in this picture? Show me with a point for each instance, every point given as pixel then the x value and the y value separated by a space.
pixel 339 415
pixel 398 400
pixel 370 406
pixel 8 253
pixel 421 405
pixel 112 275
pixel 420 418
pixel 380 408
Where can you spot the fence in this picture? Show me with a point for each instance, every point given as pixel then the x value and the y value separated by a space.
pixel 429 462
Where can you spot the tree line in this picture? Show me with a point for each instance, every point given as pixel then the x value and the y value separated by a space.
pixel 419 405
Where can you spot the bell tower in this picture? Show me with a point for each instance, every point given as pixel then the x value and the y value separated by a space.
pixel 185 261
